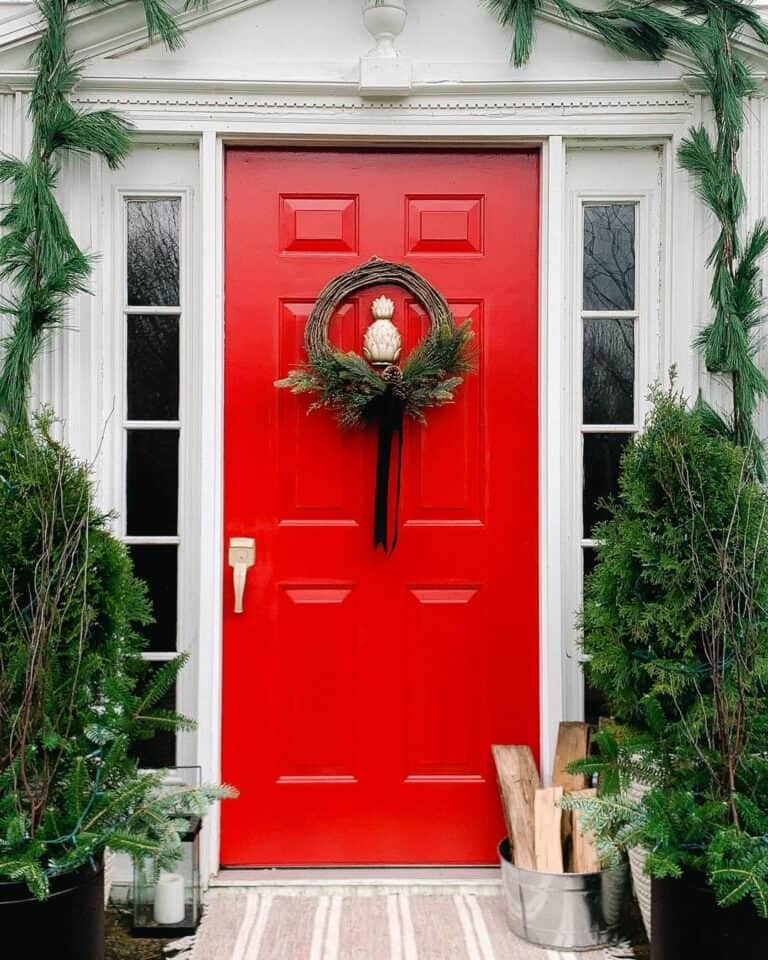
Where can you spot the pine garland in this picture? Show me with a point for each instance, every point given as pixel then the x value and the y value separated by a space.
pixel 39 258
pixel 708 30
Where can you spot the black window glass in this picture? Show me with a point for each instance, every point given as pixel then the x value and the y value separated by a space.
pixel 602 459
pixel 594 701
pixel 609 370
pixel 159 751
pixel 152 482
pixel 609 256
pixel 153 367
pixel 156 566
pixel 153 253
pixel 595 706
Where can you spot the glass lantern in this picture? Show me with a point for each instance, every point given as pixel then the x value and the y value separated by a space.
pixel 166 903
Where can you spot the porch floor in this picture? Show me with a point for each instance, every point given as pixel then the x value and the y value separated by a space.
pixel 465 921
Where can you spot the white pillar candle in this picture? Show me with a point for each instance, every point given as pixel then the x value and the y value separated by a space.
pixel 169 898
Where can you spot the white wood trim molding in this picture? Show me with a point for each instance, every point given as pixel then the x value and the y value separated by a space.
pixel 553 400
pixel 342 78
pixel 211 464
pixel 294 118
pixel 95 27
pixel 278 95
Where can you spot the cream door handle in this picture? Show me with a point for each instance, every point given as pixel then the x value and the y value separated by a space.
pixel 242 554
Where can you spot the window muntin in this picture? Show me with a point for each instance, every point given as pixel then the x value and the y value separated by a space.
pixel 152 317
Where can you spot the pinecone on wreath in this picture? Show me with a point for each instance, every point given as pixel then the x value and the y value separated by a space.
pixel 393 375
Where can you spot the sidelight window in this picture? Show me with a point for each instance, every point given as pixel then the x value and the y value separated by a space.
pixel 152 315
pixel 609 317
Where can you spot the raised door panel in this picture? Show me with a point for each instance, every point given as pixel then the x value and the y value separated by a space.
pixel 445 682
pixel 316 675
pixel 318 224
pixel 444 225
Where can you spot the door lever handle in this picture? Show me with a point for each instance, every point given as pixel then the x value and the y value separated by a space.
pixel 242 555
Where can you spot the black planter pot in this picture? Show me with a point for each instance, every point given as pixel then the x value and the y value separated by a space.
pixel 687 923
pixel 69 925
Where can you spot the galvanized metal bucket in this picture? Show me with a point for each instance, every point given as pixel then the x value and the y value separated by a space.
pixel 565 911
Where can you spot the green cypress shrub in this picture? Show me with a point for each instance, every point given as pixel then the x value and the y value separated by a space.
pixel 74 694
pixel 675 625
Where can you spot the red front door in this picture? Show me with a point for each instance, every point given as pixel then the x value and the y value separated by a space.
pixel 362 691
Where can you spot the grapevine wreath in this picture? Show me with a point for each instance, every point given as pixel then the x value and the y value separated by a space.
pixel 378 389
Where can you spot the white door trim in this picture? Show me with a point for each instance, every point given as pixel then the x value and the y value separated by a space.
pixel 210 616
pixel 553 401
pixel 210 640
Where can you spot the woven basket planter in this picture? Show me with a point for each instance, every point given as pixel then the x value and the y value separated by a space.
pixel 637 858
pixel 109 873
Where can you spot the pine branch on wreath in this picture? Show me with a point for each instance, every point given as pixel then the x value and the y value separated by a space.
pixel 347 385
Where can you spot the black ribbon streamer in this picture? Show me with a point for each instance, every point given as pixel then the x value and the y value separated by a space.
pixel 388 410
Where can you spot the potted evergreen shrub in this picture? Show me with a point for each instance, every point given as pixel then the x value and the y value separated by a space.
pixel 74 700
pixel 675 625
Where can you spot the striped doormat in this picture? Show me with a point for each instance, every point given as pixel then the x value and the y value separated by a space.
pixel 392 926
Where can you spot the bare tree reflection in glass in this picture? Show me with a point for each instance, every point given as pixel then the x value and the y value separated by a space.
pixel 609 370
pixel 609 256
pixel 153 253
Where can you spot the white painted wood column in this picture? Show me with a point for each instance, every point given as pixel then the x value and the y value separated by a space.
pixel 209 648
pixel 553 397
